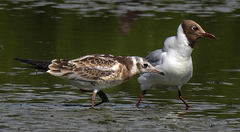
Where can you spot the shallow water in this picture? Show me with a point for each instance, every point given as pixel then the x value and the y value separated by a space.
pixel 36 101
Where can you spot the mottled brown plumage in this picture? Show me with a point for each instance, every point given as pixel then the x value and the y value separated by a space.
pixel 98 71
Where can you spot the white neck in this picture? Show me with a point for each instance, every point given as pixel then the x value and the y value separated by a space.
pixel 134 70
pixel 177 46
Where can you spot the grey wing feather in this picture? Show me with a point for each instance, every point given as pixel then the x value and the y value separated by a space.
pixel 154 56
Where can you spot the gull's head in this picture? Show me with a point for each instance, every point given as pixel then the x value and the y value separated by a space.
pixel 144 66
pixel 194 31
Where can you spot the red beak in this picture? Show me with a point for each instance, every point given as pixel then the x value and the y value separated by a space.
pixel 209 35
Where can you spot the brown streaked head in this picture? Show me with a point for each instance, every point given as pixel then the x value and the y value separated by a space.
pixel 194 31
pixel 144 67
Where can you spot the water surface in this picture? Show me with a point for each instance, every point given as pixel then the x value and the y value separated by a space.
pixel 36 101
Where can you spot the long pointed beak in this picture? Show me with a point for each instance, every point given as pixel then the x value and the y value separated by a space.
pixel 157 71
pixel 209 35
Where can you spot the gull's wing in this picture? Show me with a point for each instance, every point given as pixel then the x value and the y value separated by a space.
pixel 155 57
pixel 88 68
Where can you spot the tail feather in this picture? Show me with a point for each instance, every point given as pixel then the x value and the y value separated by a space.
pixel 38 63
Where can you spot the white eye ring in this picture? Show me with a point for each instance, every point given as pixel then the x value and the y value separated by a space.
pixel 194 28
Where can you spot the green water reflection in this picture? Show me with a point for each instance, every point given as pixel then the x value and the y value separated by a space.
pixel 68 29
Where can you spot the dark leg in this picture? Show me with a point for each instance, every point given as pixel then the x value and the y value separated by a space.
pixel 143 93
pixel 103 96
pixel 100 93
pixel 180 97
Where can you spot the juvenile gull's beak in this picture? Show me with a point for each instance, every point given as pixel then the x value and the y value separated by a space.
pixel 209 35
pixel 157 71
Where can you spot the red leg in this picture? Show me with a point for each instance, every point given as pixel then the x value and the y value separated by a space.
pixel 181 98
pixel 143 93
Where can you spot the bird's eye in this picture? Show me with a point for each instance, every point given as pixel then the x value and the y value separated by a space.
pixel 194 28
pixel 145 65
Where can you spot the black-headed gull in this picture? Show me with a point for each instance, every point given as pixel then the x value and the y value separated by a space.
pixel 174 59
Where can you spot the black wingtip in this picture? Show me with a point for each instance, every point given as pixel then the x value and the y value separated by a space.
pixel 38 63
pixel 22 60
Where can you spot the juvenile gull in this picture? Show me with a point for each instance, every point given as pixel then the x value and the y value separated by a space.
pixel 174 59
pixel 95 72
pixel 99 71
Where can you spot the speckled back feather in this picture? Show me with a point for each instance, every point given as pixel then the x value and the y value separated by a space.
pixel 87 68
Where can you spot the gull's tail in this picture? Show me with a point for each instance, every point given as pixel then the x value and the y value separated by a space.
pixel 42 64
